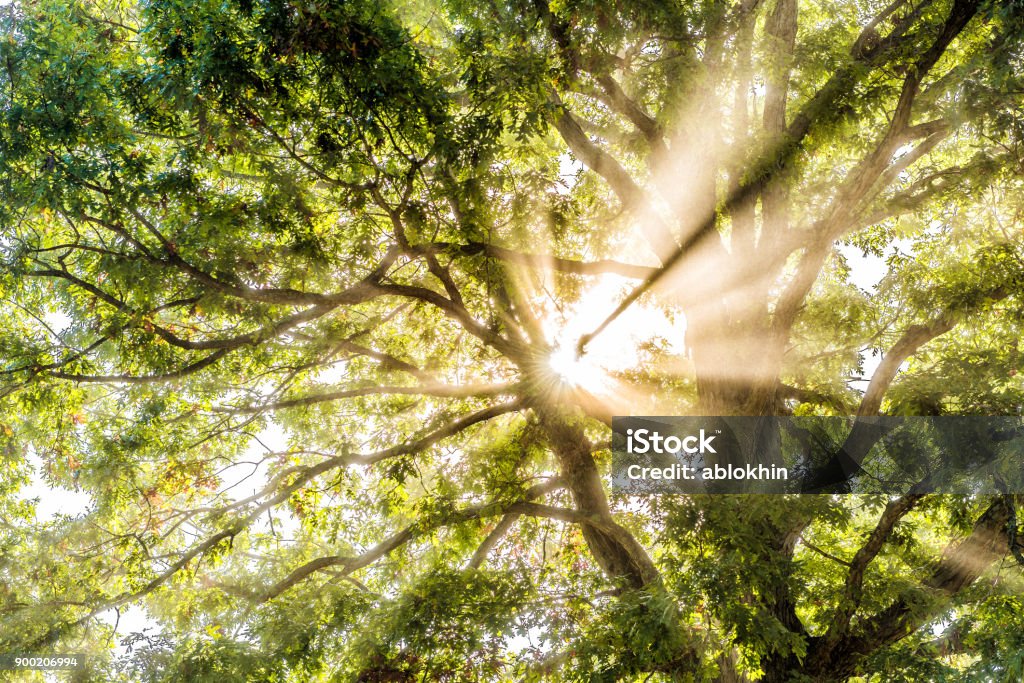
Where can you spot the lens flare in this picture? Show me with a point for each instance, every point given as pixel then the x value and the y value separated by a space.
pixel 574 369
pixel 616 351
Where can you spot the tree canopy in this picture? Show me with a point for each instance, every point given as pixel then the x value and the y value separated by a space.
pixel 326 305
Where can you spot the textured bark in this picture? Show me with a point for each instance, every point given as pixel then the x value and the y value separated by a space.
pixel 783 606
pixel 721 357
pixel 614 548
pixel 781 34
pixel 914 338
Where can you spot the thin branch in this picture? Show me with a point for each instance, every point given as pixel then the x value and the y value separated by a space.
pixel 189 369
pixel 439 390
pixel 823 553
pixel 850 599
pixel 350 564
pixel 485 547
pixel 457 313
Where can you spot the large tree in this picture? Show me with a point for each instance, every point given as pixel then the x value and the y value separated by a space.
pixel 327 305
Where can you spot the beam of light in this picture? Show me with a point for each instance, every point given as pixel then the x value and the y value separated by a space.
pixel 572 368
pixel 620 350
pixel 606 332
pixel 700 264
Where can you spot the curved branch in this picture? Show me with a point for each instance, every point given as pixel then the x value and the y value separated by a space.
pixel 485 547
pixel 914 338
pixel 457 313
pixel 854 589
pixel 350 564
pixel 386 360
pixel 270 295
pixel 143 379
pixel 439 390
pixel 617 99
pixel 597 160
pixel 308 474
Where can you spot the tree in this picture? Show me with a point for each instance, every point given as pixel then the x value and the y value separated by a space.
pixel 434 247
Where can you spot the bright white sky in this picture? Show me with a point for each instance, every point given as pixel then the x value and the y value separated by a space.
pixel 866 271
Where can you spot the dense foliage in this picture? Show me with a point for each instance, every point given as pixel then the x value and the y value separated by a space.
pixel 325 306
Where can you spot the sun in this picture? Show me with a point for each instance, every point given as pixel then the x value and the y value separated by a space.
pixel 617 349
pixel 574 369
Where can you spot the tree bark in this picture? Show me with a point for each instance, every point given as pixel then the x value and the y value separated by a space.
pixel 614 548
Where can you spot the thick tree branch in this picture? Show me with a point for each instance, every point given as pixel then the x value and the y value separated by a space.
pixel 850 599
pixel 617 99
pixel 616 550
pixel 865 52
pixel 907 345
pixel 539 261
pixel 865 434
pixel 599 161
pixel 780 31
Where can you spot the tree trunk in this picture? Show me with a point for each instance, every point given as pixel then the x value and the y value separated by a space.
pixel 614 548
